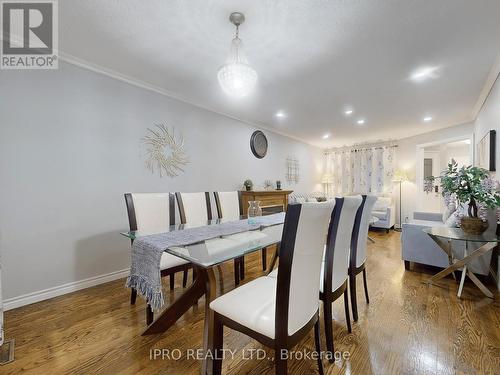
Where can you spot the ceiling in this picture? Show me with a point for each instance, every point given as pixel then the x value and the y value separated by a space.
pixel 313 58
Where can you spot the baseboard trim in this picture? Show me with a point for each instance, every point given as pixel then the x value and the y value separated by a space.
pixel 27 299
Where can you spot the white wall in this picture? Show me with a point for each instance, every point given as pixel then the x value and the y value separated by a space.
pixel 406 159
pixel 489 119
pixel 69 149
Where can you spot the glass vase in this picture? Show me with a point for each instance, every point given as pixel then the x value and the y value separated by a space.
pixel 254 212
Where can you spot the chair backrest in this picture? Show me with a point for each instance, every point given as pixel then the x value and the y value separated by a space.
pixel 339 241
pixel 150 212
pixel 228 204
pixel 301 251
pixel 360 235
pixel 194 208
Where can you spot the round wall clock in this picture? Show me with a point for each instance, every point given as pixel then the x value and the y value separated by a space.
pixel 258 144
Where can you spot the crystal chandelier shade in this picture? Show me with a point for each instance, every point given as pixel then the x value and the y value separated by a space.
pixel 236 77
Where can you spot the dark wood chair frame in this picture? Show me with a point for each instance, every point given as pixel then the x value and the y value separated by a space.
pixel 132 220
pixel 353 270
pixel 328 296
pixel 282 339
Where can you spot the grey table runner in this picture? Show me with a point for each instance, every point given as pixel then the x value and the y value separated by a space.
pixel 147 251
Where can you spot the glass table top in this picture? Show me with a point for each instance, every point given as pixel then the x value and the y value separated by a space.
pixel 133 234
pixel 459 235
pixel 217 250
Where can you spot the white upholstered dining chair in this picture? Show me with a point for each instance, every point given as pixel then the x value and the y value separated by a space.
pixel 229 206
pixel 280 311
pixel 153 213
pixel 194 208
pixel 358 251
pixel 334 272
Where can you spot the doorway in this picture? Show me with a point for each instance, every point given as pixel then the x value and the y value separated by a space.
pixel 432 160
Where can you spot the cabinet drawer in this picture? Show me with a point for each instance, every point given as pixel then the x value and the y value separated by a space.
pixel 271 201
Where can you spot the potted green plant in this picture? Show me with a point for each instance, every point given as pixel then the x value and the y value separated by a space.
pixel 471 186
pixel 248 185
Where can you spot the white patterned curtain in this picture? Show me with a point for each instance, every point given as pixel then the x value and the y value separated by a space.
pixel 361 170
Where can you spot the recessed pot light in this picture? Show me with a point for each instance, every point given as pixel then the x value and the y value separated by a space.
pixel 326 136
pixel 348 112
pixel 360 121
pixel 427 118
pixel 280 114
pixel 424 73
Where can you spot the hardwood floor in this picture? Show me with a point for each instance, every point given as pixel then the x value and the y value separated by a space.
pixel 408 328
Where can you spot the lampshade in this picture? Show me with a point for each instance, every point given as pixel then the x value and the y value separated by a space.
pixel 400 176
pixel 327 179
pixel 236 77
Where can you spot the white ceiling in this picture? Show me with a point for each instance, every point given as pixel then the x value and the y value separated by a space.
pixel 313 58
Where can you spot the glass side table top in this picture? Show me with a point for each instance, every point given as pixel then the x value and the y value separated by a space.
pixel 459 235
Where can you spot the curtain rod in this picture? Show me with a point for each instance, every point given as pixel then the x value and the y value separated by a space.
pixel 366 147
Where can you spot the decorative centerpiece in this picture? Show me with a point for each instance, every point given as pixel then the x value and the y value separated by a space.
pixel 248 184
pixel 254 212
pixel 471 186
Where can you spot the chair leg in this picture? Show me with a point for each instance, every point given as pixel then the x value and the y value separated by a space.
pixel 149 315
pixel 317 344
pixel 327 315
pixel 346 308
pixel 242 268
pixel 217 346
pixel 184 278
pixel 366 286
pixel 172 281
pixel 237 271
pixel 280 364
pixel 275 257
pixel 354 300
pixel 264 259
pixel 133 296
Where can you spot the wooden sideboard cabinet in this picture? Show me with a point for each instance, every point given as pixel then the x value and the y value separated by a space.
pixel 271 201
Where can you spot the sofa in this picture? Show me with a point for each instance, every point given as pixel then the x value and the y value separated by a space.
pixel 315 196
pixel 385 211
pixel 418 247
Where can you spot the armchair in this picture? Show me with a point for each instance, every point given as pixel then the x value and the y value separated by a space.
pixel 385 210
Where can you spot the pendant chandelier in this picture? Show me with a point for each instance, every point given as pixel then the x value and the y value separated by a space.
pixel 236 77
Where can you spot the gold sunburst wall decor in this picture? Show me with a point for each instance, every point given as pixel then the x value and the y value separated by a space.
pixel 164 151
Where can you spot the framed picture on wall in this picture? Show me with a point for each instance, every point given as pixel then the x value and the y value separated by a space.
pixel 486 151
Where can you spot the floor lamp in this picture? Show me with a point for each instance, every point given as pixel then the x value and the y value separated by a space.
pixel 327 180
pixel 400 176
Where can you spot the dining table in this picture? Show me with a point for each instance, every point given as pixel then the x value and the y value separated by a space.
pixel 205 257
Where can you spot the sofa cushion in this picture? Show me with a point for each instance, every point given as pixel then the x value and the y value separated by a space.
pixel 448 211
pixel 382 203
pixel 452 221
pixel 425 223
pixel 380 214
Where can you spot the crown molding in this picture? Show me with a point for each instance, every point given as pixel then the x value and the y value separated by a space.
pixel 488 86
pixel 73 60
